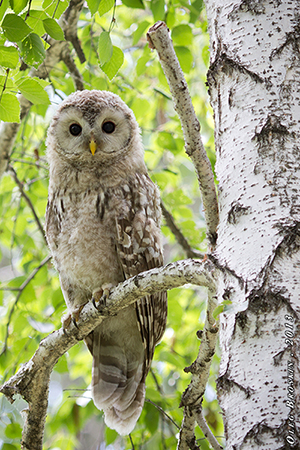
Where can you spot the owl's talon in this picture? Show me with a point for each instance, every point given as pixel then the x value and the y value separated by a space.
pixel 75 322
pixel 100 296
pixel 71 317
pixel 66 320
pixel 94 302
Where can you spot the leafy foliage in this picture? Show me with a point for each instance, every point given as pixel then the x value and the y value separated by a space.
pixel 31 303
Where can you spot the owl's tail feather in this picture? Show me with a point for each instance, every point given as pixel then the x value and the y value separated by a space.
pixel 118 386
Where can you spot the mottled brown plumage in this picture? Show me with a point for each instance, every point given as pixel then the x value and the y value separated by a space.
pixel 102 226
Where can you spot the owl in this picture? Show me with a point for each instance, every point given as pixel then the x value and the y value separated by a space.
pixel 103 226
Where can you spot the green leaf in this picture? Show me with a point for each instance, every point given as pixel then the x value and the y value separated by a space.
pixel 166 140
pixel 152 417
pixel 3 8
pixel 140 107
pixel 185 58
pixel 55 6
pixel 18 5
pixel 140 31
pixel 93 6
pixel 9 447
pixel 53 29
pixel 111 68
pixel 134 4
pixel 105 47
pixel 153 395
pixel 217 311
pixel 9 57
pixel 170 17
pixel 62 365
pixel 35 21
pixel 110 436
pixel 172 358
pixel 33 50
pixel 105 6
pixel 141 65
pixel 198 6
pixel 9 108
pixel 13 430
pixel 158 9
pixel 15 28
pixel 182 34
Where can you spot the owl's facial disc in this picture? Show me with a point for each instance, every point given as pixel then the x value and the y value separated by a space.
pixel 93 136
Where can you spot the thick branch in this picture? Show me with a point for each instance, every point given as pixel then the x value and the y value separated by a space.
pixel 73 70
pixel 32 379
pixel 70 18
pixel 187 440
pixel 158 37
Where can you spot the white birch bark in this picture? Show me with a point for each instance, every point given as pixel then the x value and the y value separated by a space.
pixel 254 81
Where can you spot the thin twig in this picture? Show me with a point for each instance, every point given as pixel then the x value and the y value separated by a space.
pixel 158 387
pixel 163 412
pixel 7 288
pixel 28 201
pixel 4 85
pixel 206 430
pixel 131 442
pixel 28 10
pixel 21 289
pixel 30 163
pixel 159 39
pixel 190 252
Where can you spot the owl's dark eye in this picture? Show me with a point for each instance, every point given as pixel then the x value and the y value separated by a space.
pixel 108 127
pixel 75 129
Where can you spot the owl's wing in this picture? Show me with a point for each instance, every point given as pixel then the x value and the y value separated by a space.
pixel 139 249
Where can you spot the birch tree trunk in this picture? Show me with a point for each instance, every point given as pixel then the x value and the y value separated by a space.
pixel 254 81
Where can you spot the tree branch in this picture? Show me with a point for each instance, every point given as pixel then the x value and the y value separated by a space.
pixel 193 395
pixel 180 238
pixel 158 37
pixel 187 440
pixel 32 379
pixel 20 291
pixel 28 201
pixel 206 430
pixel 74 72
pixel 70 18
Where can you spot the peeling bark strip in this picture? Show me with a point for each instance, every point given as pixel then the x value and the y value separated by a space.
pixel 255 93
pixel 158 38
pixel 32 379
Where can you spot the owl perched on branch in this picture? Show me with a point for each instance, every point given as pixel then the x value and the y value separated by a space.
pixel 103 226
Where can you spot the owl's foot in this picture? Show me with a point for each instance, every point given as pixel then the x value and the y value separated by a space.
pixel 73 316
pixel 100 296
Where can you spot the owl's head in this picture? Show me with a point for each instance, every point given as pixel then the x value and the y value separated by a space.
pixel 94 128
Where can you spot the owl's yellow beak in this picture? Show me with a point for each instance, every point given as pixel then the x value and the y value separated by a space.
pixel 93 146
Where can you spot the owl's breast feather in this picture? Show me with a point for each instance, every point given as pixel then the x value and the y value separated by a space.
pixel 82 245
